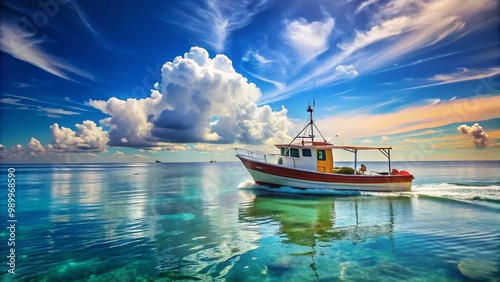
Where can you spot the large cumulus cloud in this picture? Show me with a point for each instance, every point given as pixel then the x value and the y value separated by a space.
pixel 87 138
pixel 254 125
pixel 129 124
pixel 199 99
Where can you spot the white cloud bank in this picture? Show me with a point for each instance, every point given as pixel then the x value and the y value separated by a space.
pixel 199 99
pixel 86 140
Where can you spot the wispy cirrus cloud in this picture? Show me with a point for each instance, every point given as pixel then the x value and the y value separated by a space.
pixel 21 97
pixel 406 24
pixel 256 58
pixel 365 4
pixel 57 111
pixel 214 21
pixel 12 101
pixel 31 83
pixel 464 74
pixel 26 103
pixel 269 66
pixel 50 115
pixel 432 101
pixel 48 102
pixel 26 46
pixel 404 28
pixel 416 62
pixel 277 84
pixel 82 16
pixel 305 40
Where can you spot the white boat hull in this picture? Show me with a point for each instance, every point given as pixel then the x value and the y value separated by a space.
pixel 264 178
pixel 277 175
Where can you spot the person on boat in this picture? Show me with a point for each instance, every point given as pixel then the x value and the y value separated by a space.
pixel 361 170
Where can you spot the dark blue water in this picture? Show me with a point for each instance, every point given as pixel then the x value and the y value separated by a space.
pixel 197 221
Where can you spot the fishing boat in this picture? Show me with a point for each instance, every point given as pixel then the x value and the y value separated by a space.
pixel 305 163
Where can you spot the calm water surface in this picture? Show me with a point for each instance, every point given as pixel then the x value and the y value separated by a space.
pixel 194 221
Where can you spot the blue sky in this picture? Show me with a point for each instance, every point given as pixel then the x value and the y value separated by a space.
pixel 190 80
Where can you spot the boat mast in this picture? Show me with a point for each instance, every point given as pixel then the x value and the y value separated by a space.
pixel 310 110
pixel 310 123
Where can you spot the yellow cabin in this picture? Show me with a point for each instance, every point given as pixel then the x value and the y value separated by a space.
pixel 315 156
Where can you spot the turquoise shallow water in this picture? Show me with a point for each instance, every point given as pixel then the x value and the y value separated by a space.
pixel 201 221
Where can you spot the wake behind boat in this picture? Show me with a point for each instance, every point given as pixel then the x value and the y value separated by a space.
pixel 310 165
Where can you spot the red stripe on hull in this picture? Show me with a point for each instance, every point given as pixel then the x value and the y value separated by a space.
pixel 292 173
pixel 267 184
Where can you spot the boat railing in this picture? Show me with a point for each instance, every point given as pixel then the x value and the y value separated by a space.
pixel 261 156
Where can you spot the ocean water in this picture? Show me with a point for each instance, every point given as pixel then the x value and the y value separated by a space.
pixel 209 222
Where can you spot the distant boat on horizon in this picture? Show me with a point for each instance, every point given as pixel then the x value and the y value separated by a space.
pixel 158 162
pixel 213 161
pixel 309 165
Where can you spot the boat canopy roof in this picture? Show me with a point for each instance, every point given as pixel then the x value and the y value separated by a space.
pixel 308 145
pixel 326 145
pixel 351 147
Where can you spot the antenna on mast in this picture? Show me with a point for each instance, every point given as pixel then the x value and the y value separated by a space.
pixel 310 111
pixel 314 94
pixel 309 124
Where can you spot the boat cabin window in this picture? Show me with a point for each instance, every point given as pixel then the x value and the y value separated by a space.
pixel 306 153
pixel 294 153
pixel 284 151
pixel 321 155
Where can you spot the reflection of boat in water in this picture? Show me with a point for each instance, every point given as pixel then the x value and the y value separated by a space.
pixel 306 221
pixel 323 229
pixel 309 165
